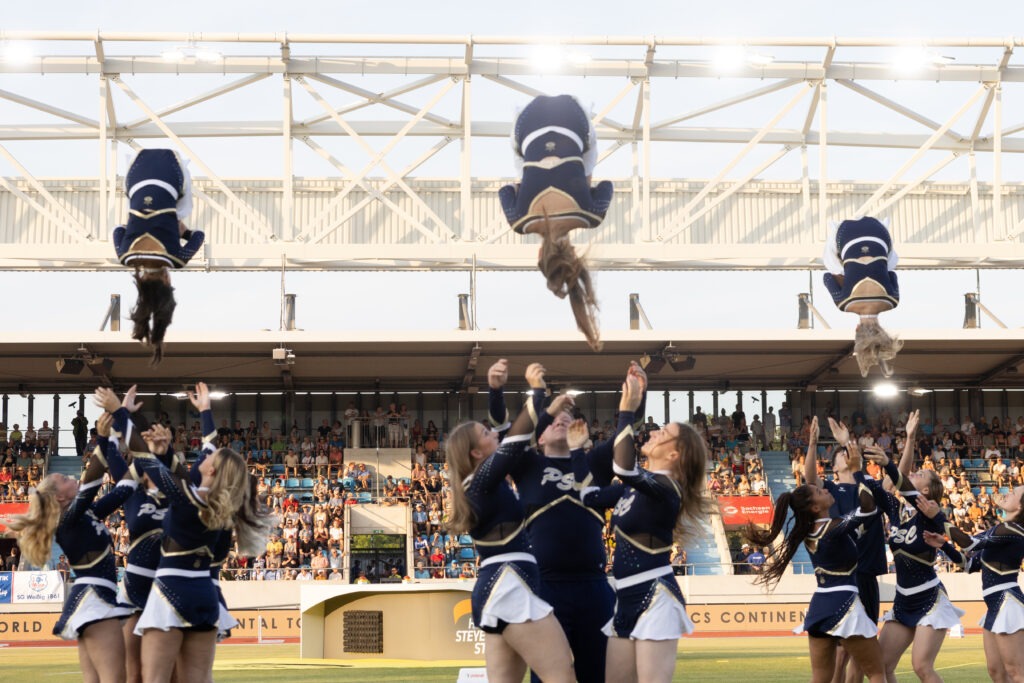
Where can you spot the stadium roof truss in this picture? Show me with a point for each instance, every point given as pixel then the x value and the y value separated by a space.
pixel 730 202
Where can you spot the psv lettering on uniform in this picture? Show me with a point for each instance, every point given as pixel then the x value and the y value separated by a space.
pixel 152 510
pixel 97 525
pixel 563 482
pixel 904 536
pixel 624 504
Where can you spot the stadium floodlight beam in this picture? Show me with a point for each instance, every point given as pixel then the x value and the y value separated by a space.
pixel 547 57
pixel 914 59
pixel 886 390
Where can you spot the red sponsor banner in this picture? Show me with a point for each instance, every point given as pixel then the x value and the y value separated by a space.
pixel 737 510
pixel 8 510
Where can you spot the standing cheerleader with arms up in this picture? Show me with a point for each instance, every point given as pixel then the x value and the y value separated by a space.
pixel 654 508
pixel 998 553
pixel 520 628
pixel 921 613
pixel 181 618
pixel 64 508
pixel 836 614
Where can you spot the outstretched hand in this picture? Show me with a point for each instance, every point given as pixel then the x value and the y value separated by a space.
pixel 815 430
pixel 933 539
pixel 103 424
pixel 561 403
pixel 497 374
pixel 578 434
pixel 839 431
pixel 928 507
pixel 130 402
pixel 157 439
pixel 106 398
pixel 631 394
pixel 639 373
pixel 876 453
pixel 912 421
pixel 200 398
pixel 535 376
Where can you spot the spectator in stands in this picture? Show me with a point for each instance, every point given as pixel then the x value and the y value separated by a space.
pixel 741 560
pixel 756 560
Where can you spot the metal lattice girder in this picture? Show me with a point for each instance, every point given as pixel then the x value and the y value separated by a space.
pixel 375 214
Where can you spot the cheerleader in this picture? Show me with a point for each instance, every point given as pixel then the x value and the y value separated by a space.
pixel 567 537
pixel 998 553
pixel 64 508
pixel 159 191
pixel 653 508
pixel 861 278
pixel 520 628
pixel 555 151
pixel 182 612
pixel 835 614
pixel 870 538
pixel 921 613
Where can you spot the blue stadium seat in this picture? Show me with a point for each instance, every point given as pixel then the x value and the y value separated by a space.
pixel 467 554
pixel 291 483
pixel 307 483
pixel 364 497
pixel 1004 490
pixel 348 483
pixel 307 498
pixel 465 539
pixel 277 469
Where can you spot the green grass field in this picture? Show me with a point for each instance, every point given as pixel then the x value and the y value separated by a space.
pixel 700 659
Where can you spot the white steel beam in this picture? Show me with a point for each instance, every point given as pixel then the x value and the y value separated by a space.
pixel 199 99
pixel 713 183
pixel 49 109
pixel 899 108
pixel 371 98
pixel 378 158
pixel 312 236
pixel 69 224
pixel 728 102
pixel 906 189
pixel 867 206
pixel 998 227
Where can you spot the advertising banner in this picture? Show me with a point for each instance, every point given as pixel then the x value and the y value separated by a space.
pixel 737 510
pixel 8 510
pixel 37 587
pixel 5 588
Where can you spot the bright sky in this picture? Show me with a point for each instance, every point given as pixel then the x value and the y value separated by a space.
pixel 417 301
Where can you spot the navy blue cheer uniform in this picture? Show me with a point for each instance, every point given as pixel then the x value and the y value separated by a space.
pixel 159 195
pixel 921 599
pixel 555 151
pixel 999 552
pixel 86 543
pixel 183 594
pixel 567 538
pixel 648 602
pixel 835 610
pixel 144 512
pixel 870 539
pixel 508 582
pixel 861 251
pixel 226 622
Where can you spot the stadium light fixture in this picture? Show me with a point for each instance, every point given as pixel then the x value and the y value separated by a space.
pixel 913 59
pixel 547 58
pixel 574 392
pixel 184 53
pixel 16 52
pixel 729 58
pixel 886 390
pixel 919 391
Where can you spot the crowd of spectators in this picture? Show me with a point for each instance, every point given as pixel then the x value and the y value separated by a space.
pixel 976 460
pixel 22 460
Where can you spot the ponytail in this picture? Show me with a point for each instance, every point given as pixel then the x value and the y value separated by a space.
pixel 797 501
pixel 36 528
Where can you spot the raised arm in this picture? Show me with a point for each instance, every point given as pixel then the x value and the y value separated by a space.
pixel 178 489
pixel 907 461
pixel 624 455
pixel 497 410
pixel 811 459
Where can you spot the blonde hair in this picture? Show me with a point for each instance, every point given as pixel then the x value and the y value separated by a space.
pixel 567 276
pixel 460 442
pixel 689 471
pixel 874 346
pixel 35 529
pixel 231 503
